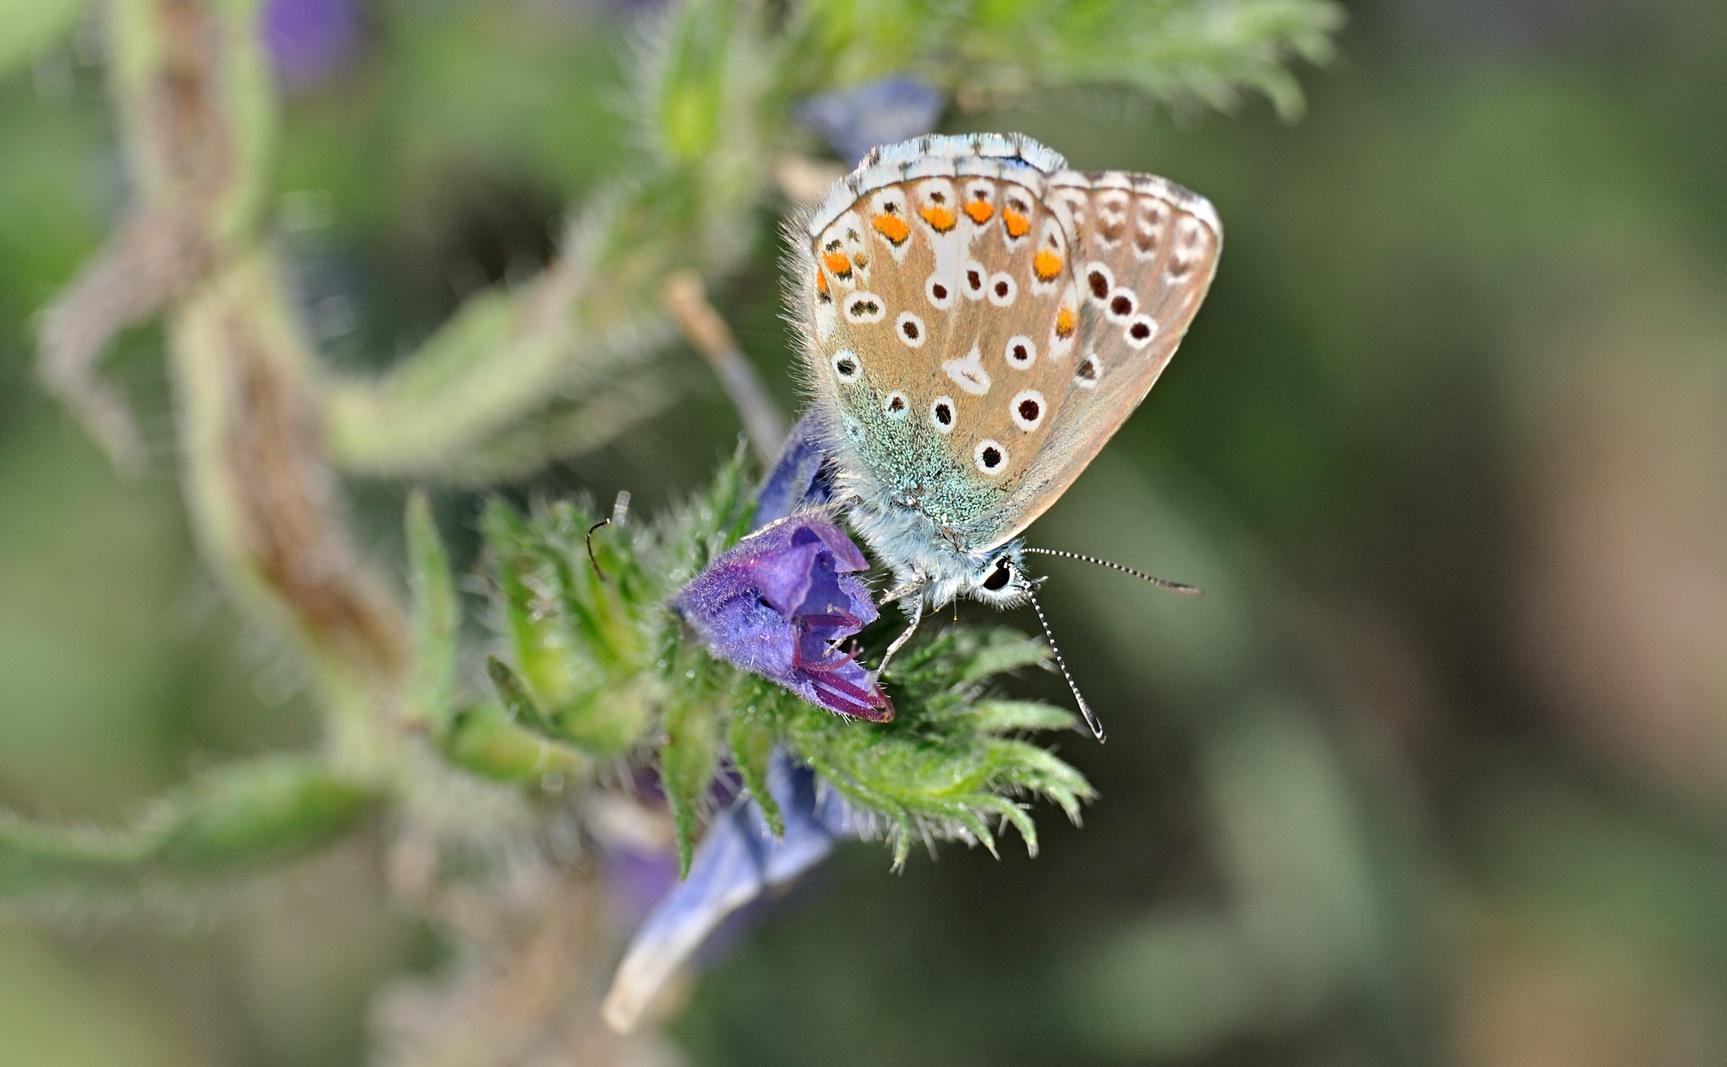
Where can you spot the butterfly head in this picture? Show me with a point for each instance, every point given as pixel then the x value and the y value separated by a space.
pixel 1000 579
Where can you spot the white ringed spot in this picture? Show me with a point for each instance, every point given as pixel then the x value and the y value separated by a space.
pixel 1028 409
pixel 942 414
pixel 911 330
pixel 1140 330
pixel 1122 303
pixel 865 308
pixel 1020 353
pixel 939 290
pixel 896 405
pixel 975 279
pixel 1089 371
pixel 989 456
pixel 1099 280
pixel 1002 289
pixel 846 367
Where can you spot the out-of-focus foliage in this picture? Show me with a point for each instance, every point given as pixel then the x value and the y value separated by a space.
pixel 596 657
pixel 1434 771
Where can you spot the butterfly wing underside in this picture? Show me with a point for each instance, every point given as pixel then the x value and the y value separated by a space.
pixel 1145 251
pixel 982 320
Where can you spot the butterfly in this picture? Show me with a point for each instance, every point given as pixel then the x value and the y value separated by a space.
pixel 977 322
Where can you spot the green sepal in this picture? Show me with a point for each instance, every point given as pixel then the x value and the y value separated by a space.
pixel 540 650
pixel 1010 716
pixel 487 741
pixel 608 721
pixel 435 621
pixel 941 768
pixel 687 764
pixel 518 702
pixel 752 749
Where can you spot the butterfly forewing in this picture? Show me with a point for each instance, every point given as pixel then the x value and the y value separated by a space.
pixel 1145 251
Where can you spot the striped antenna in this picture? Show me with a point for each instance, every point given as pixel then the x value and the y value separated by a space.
pixel 1162 583
pixel 1091 718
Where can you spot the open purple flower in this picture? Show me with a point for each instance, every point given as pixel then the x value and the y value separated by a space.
pixel 781 603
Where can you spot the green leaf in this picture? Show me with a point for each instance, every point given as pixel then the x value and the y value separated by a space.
pixel 225 824
pixel 1007 716
pixel 1207 51
pixel 692 78
pixel 435 621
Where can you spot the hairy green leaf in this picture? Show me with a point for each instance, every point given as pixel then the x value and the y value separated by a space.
pixel 227 823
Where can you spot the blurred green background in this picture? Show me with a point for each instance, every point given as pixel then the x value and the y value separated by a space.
pixel 1435 773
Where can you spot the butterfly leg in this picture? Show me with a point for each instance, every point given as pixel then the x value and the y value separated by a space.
pixel 899 592
pixel 899 642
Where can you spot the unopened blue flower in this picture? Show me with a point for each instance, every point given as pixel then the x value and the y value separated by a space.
pixel 782 603
pixel 856 119
pixel 802 478
pixel 311 40
pixel 739 859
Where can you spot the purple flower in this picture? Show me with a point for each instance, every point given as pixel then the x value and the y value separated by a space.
pixel 781 603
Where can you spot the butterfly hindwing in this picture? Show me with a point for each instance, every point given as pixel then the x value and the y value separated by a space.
pixel 934 302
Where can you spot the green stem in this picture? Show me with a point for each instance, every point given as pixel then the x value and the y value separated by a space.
pixel 241 817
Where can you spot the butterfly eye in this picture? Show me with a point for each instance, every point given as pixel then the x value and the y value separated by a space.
pixel 999 577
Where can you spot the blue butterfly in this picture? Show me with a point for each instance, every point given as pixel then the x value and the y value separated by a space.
pixel 978 321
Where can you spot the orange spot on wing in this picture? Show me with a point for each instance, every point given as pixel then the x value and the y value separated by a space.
pixel 1017 225
pixel 939 217
pixel 1046 264
pixel 821 282
pixel 980 211
pixel 892 227
pixel 838 263
pixel 1064 323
